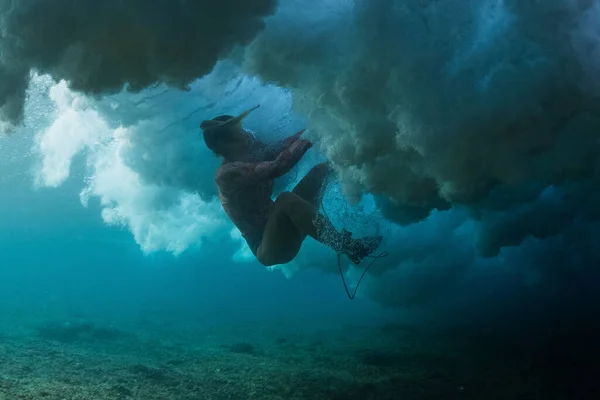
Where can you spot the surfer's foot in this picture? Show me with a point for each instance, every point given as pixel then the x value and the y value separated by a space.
pixel 358 249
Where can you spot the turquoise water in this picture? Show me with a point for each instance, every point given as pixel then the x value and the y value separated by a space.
pixel 464 132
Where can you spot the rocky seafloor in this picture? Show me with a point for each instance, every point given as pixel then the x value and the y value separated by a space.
pixel 82 360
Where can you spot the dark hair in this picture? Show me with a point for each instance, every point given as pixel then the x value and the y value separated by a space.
pixel 214 138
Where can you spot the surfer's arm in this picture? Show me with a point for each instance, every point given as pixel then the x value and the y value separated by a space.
pixel 271 151
pixel 242 173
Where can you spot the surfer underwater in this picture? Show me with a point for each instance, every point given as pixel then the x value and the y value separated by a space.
pixel 274 230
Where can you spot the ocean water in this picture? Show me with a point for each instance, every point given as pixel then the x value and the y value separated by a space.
pixel 464 132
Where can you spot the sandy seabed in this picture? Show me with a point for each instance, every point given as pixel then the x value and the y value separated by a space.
pixel 76 361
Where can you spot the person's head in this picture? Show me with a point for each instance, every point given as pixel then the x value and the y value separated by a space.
pixel 225 136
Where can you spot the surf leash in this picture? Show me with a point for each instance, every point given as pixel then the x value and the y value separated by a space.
pixel 374 258
pixel 339 262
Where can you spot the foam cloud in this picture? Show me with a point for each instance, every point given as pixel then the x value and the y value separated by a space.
pixel 160 217
pixel 485 111
pixel 439 104
pixel 75 129
pixel 99 47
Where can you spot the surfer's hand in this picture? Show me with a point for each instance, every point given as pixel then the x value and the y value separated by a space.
pixel 291 140
pixel 305 143
pixel 298 134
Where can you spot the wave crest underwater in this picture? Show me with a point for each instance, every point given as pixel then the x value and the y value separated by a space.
pixel 467 128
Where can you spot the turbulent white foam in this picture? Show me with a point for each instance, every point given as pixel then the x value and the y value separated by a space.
pixel 159 217
pixel 75 129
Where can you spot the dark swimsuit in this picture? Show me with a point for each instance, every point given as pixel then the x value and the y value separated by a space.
pixel 248 207
pixel 246 188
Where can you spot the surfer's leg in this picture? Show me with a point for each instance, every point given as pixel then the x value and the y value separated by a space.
pixel 310 188
pixel 291 220
pixel 282 238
